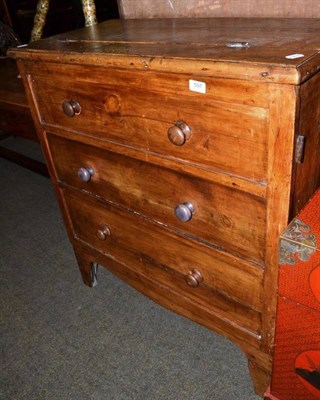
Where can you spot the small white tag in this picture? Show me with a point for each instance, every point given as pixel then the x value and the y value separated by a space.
pixel 294 56
pixel 197 86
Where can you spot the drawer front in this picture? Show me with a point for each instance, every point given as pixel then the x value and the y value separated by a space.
pixel 229 128
pixel 222 216
pixel 226 284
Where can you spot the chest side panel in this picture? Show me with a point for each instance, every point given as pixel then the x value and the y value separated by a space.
pixel 307 172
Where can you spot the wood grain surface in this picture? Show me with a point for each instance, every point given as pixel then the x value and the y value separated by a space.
pixel 132 242
pixel 138 109
pixel 220 217
pixel 15 115
pixel 203 46
pixel 131 79
pixel 307 174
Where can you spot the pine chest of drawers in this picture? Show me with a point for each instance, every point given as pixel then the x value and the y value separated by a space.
pixel 179 150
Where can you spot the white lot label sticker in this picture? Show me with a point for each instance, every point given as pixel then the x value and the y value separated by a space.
pixel 197 86
pixel 294 56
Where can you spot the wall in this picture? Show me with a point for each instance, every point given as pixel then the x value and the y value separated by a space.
pixel 219 8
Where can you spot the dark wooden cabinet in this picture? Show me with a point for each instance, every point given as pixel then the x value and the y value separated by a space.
pixel 179 150
pixel 15 116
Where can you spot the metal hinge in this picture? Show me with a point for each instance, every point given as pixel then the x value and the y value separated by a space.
pixel 299 152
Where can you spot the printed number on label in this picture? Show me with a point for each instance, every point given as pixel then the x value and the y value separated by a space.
pixel 197 86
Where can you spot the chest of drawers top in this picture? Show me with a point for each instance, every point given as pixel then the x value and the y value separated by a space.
pixel 269 50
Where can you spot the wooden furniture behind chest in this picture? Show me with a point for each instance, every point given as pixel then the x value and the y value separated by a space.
pixel 179 149
pixel 15 116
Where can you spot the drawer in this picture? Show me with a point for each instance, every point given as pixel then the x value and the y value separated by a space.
pixel 222 216
pixel 222 283
pixel 229 123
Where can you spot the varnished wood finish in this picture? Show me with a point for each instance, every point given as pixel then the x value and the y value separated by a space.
pixel 154 45
pixel 15 116
pixel 131 241
pixel 307 174
pixel 260 376
pixel 283 103
pixel 155 192
pixel 122 181
pixel 144 120
pixel 16 120
pixel 11 88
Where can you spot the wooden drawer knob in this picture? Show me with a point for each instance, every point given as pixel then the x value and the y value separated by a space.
pixel 184 211
pixel 85 174
pixel 103 232
pixel 194 278
pixel 71 108
pixel 179 133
